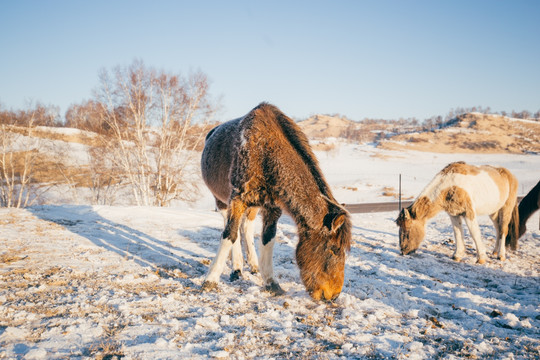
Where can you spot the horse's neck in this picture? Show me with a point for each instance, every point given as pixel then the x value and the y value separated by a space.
pixel 307 214
pixel 424 209
pixel 529 204
pixel 428 204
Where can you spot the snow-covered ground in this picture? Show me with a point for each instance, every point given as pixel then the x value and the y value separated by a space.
pixel 103 282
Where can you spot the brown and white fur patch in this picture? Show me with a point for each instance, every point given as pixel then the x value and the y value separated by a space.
pixel 464 192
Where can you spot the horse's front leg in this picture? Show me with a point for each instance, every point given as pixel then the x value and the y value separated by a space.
pixel 268 238
pixel 228 238
pixel 458 235
pixel 472 224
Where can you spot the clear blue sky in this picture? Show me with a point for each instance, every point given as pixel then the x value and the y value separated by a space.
pixel 379 59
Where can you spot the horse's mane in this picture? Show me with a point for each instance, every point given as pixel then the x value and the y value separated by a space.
pixel 298 141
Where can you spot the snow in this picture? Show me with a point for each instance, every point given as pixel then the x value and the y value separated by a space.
pixel 81 281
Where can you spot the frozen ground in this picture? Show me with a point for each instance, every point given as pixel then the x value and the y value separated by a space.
pixel 104 282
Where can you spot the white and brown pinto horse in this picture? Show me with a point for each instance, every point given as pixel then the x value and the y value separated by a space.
pixel 464 192
pixel 263 161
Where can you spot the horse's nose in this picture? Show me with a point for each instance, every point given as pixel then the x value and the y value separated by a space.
pixel 328 293
pixel 334 297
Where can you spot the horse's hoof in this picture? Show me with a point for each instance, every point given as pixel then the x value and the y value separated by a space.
pixel 254 270
pixel 502 258
pixel 209 286
pixel 457 258
pixel 481 261
pixel 235 275
pixel 274 288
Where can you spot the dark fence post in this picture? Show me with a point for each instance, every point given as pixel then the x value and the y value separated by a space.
pixel 399 192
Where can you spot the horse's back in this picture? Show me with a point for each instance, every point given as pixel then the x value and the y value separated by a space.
pixel 488 187
pixel 489 190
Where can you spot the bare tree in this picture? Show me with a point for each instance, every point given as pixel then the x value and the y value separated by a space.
pixel 86 116
pixel 20 160
pixel 150 117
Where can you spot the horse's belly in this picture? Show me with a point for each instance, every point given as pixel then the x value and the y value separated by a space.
pixel 485 194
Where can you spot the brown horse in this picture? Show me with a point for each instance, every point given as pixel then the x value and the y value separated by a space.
pixel 527 206
pixel 464 191
pixel 263 161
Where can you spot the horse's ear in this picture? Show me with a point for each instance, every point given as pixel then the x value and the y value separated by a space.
pixel 338 221
pixel 334 220
pixel 404 215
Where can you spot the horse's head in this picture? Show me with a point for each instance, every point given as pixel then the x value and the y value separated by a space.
pixel 321 253
pixel 411 232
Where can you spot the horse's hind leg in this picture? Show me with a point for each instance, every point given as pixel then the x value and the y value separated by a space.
pixel 247 231
pixel 458 235
pixel 270 218
pixel 228 238
pixel 472 224
pixel 501 219
pixel 496 219
pixel 236 253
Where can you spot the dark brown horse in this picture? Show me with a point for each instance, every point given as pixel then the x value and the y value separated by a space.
pixel 263 161
pixel 527 206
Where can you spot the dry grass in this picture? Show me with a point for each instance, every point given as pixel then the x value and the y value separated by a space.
pixel 473 133
pixel 85 138
pixel 389 191
pixel 47 169
pixel 323 147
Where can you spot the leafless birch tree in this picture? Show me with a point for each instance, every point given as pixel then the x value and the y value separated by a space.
pixel 150 117
pixel 19 161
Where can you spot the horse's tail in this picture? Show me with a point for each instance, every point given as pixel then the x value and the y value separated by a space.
pixel 513 229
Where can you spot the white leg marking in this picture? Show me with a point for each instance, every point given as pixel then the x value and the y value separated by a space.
pixel 458 235
pixel 266 261
pixel 477 237
pixel 247 237
pixel 236 254
pixel 216 268
pixel 237 258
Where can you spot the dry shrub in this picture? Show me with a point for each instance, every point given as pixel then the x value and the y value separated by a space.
pixel 389 191
pixel 481 145
pixel 323 147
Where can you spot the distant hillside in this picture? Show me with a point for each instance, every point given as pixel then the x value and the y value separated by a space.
pixel 324 126
pixel 467 133
pixel 472 133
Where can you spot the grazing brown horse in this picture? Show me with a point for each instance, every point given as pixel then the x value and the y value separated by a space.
pixel 464 191
pixel 527 206
pixel 263 161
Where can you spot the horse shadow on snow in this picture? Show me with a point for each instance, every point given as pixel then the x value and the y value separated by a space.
pixel 142 248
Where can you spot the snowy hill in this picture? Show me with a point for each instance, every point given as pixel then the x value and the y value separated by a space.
pixel 473 133
pixel 467 133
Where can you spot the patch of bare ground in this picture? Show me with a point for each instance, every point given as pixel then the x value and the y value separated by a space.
pixel 473 133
